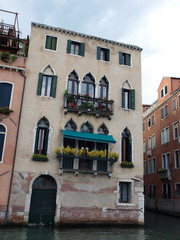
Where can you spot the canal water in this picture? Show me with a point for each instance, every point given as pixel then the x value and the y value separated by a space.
pixel 157 227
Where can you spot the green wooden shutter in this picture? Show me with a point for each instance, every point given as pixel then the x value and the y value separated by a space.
pixel 36 142
pixel 121 58
pixel 68 46
pixel 132 99
pixel 53 86
pixel 98 53
pixel 48 42
pixel 54 43
pixel 123 98
pixel 82 47
pixel 108 55
pixel 129 157
pixel 46 136
pixel 39 86
pixel 128 59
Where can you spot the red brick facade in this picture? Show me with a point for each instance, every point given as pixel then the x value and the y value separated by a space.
pixel 166 129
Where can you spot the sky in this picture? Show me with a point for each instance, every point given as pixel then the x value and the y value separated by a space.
pixel 150 24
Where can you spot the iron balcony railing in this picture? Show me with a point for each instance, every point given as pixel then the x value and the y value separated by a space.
pixel 88 105
pixel 84 164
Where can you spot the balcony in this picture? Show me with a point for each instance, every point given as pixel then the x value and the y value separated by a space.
pixel 164 174
pixel 84 104
pixel 76 164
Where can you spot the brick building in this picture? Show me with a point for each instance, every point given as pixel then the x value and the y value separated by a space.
pixel 161 147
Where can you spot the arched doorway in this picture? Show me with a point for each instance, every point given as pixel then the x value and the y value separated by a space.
pixel 43 201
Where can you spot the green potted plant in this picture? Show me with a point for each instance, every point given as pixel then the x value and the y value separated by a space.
pixel 125 164
pixel 113 156
pixel 39 158
pixel 5 110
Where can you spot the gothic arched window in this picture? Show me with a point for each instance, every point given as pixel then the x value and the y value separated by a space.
pixel 88 85
pixel 87 128
pixel 103 129
pixel 103 88
pixel 126 145
pixel 2 140
pixel 42 135
pixel 71 125
pixel 73 83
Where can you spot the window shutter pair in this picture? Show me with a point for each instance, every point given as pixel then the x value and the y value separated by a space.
pixel 53 85
pixel 82 47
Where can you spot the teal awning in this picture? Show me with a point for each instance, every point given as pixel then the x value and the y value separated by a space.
pixel 93 137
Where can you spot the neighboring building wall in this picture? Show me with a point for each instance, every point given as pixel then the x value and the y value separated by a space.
pixel 83 197
pixel 165 119
pixel 9 74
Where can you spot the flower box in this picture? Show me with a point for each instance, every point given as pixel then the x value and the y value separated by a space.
pixel 39 158
pixel 5 110
pixel 127 165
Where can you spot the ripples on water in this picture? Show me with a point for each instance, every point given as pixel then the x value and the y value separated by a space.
pixel 157 227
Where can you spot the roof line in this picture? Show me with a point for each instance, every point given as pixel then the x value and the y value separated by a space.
pixel 84 35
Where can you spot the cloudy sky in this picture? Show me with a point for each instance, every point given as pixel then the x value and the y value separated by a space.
pixel 150 24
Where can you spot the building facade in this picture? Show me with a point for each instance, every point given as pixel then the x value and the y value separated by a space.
pixel 12 82
pixel 79 154
pixel 161 146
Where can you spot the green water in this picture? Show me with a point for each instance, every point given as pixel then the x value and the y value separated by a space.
pixel 157 227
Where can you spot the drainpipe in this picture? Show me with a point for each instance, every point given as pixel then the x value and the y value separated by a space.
pixel 10 185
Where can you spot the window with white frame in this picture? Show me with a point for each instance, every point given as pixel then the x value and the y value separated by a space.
pixel 51 43
pixel 175 130
pixel 154 165
pixel 177 188
pixel 2 140
pixel 75 48
pixel 149 142
pixel 162 113
pixel 165 161
pixel 165 135
pixel 47 85
pixel 103 54
pixel 166 111
pixel 124 58
pixel 149 122
pixel 149 166
pixel 165 90
pixel 5 94
pixel 144 146
pixel 177 158
pixel 174 104
pixel 153 141
pixel 124 192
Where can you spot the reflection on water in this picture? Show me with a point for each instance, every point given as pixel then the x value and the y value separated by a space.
pixel 157 227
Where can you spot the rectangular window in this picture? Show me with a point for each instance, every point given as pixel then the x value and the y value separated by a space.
pixel 165 135
pixel 154 165
pixel 166 190
pixel 165 90
pixel 124 192
pixel 162 93
pixel 177 188
pixel 144 167
pixel 149 142
pixel 153 141
pixel 124 58
pixel 51 43
pixel 153 119
pixel 162 113
pixel 143 126
pixel 103 54
pixel 150 190
pixel 165 161
pixel 76 48
pixel 174 105
pixel 153 190
pixel 175 130
pixel 144 146
pixel 166 110
pixel 177 159
pixel 128 98
pixel 149 122
pixel 47 85
pixel 149 166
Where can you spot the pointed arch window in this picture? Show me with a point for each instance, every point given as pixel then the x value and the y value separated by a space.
pixel 103 129
pixel 87 128
pixel 2 140
pixel 71 125
pixel 128 96
pixel 126 146
pixel 103 88
pixel 47 82
pixel 88 85
pixel 42 135
pixel 73 83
